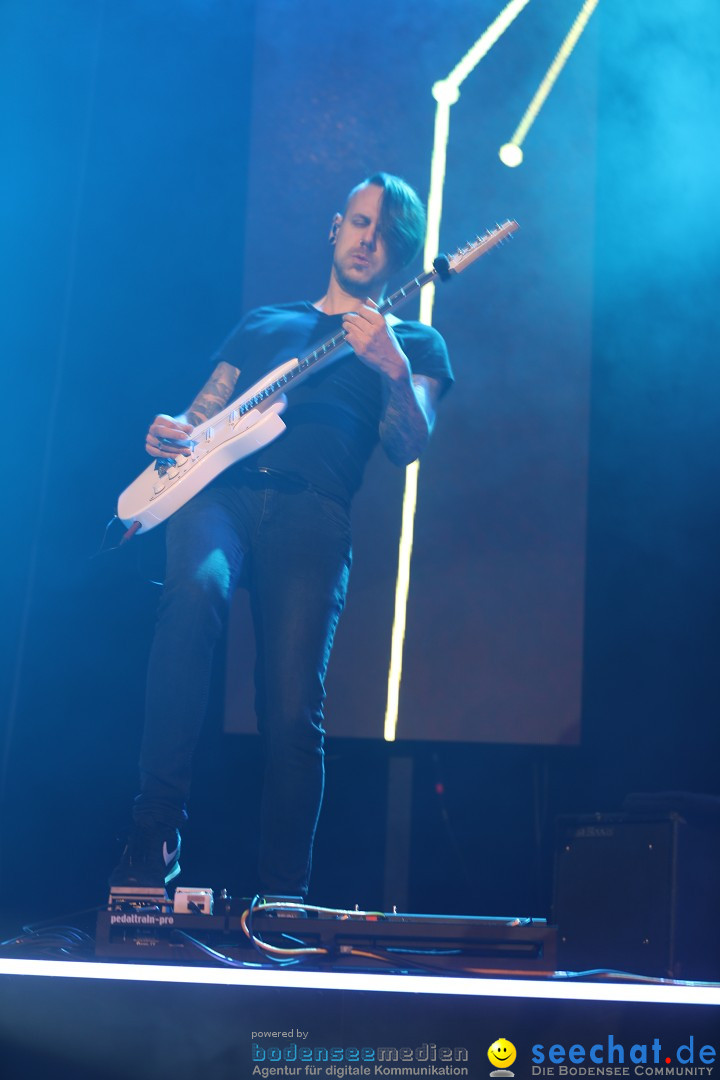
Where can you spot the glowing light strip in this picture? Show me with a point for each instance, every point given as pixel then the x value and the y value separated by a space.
pixel 444 99
pixel 510 153
pixel 402 589
pixel 446 92
pixel 667 994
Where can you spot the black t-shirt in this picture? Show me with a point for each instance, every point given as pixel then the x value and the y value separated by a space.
pixel 332 416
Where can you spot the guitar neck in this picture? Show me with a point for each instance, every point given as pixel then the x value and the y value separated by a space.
pixel 332 345
pixel 443 267
pixel 395 301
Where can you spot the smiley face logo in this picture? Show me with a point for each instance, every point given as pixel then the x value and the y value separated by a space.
pixel 501 1054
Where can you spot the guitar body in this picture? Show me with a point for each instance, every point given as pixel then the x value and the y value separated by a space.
pixel 223 441
pixel 253 420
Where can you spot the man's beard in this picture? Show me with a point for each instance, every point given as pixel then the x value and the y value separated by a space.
pixel 350 285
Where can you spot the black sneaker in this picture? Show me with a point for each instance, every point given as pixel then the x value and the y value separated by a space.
pixel 150 859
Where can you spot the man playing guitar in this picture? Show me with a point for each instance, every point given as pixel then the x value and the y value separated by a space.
pixel 281 519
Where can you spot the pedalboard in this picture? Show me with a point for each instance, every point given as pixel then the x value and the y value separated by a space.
pixel 150 928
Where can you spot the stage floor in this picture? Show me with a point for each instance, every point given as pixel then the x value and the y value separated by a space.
pixel 90 1020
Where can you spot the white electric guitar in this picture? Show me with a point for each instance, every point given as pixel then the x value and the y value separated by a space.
pixel 253 420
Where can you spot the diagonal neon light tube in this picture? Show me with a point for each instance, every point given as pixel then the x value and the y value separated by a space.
pixel 511 154
pixel 446 93
pixel 402 589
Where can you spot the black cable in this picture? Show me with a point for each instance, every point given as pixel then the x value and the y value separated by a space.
pixel 389 953
pixel 627 976
pixel 281 961
pixel 66 940
pixel 221 958
pixel 52 921
pixel 102 550
pixel 35 932
pixel 444 814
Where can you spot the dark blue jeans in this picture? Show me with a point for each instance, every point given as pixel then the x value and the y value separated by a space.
pixel 293 547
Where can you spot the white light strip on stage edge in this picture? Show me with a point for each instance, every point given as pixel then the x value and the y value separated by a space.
pixel 634 993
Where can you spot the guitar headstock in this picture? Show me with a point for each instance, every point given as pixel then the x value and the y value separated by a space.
pixel 480 246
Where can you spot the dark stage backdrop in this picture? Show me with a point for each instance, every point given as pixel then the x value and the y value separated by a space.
pixel 493 649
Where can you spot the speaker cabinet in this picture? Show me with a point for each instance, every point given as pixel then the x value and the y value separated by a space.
pixel 637 894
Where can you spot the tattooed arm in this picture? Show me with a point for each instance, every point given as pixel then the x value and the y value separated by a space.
pixel 167 435
pixel 214 395
pixel 410 400
pixel 408 417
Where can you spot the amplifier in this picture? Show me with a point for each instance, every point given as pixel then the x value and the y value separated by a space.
pixel 638 894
